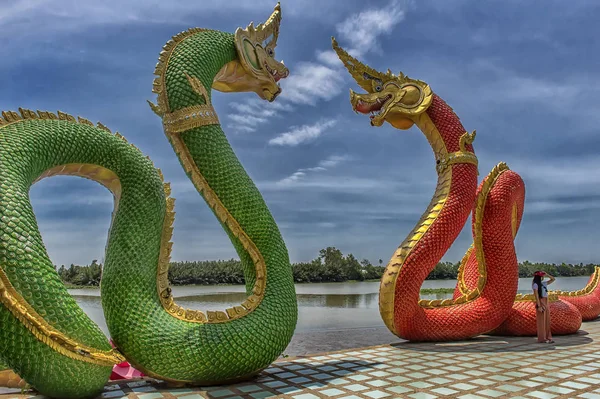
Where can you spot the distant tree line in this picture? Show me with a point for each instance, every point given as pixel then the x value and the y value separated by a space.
pixel 330 266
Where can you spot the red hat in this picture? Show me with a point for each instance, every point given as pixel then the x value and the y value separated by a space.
pixel 539 273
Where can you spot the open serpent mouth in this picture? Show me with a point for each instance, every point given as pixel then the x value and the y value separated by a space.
pixel 276 77
pixel 375 108
pixel 276 74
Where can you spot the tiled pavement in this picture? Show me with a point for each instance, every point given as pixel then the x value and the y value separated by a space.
pixel 485 367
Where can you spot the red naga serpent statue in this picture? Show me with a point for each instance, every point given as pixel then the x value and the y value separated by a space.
pixel 485 299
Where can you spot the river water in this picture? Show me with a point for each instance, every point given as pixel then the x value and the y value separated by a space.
pixel 321 306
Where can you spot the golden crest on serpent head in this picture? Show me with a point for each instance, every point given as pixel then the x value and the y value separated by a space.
pixel 256 68
pixel 395 99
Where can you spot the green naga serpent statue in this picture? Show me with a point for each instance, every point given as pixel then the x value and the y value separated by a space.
pixel 45 337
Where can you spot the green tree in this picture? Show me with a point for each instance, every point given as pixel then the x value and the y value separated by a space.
pixel 352 268
pixel 333 260
pixel 330 266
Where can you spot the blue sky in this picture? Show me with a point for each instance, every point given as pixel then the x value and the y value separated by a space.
pixel 524 74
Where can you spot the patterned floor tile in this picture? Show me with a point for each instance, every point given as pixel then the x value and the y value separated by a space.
pixel 275 384
pixel 356 387
pixel 421 395
pixel 305 396
pixel 417 376
pixel 529 384
pixel 419 384
pixel 113 394
pixel 491 393
pixel 154 395
pixel 314 385
pixel 593 381
pixel 377 394
pixel 515 374
pixel 399 390
pixel 289 390
pixel 259 395
pixel 339 381
pixel 541 395
pixel 437 371
pixel 439 381
pixel 544 379
pixel 378 383
pixel 499 377
pixel 359 377
pixel 444 391
pixel 331 392
pixel 510 388
pixel 463 386
pixel 575 385
pixel 482 381
pixel 221 393
pixel 484 370
pixel 491 369
pixel 559 390
pixel 299 380
pixel 380 374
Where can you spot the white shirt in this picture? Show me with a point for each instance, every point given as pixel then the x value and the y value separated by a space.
pixel 544 289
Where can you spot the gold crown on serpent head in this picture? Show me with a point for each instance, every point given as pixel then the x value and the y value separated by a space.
pixel 392 98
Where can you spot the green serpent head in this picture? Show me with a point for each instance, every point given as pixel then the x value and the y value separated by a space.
pixel 256 68
pixel 395 99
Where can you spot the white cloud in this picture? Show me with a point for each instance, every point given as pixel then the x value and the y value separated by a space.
pixel 243 129
pixel 507 85
pixel 311 82
pixel 292 178
pixel 29 17
pixel 557 207
pixel 54 29
pixel 250 120
pixel 324 79
pixel 496 87
pixel 331 162
pixel 252 113
pixel 363 29
pixel 327 225
pixel 301 134
pixel 557 184
pixel 328 57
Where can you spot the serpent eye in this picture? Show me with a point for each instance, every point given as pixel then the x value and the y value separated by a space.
pixel 270 52
pixel 378 88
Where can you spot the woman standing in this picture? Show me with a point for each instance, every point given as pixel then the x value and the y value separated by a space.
pixel 540 292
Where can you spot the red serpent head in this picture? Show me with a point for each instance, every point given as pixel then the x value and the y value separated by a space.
pixel 395 99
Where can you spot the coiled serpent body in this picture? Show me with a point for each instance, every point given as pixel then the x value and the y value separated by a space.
pixel 484 300
pixel 45 337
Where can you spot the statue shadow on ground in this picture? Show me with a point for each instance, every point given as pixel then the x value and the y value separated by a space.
pixel 345 368
pixel 489 343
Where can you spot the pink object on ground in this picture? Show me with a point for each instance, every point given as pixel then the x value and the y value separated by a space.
pixel 124 371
